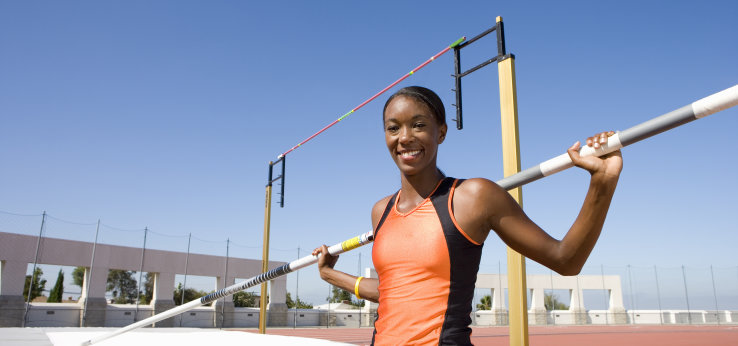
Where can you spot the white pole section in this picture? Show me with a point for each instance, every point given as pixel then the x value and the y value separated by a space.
pixel 696 110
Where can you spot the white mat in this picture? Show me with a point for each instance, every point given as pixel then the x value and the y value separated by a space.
pixel 183 337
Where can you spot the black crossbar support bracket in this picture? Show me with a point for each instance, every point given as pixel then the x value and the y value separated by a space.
pixel 501 55
pixel 271 180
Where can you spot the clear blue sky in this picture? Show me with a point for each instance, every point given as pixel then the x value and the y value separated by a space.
pixel 165 115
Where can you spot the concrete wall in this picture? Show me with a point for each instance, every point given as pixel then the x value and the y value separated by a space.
pixel 604 317
pixel 17 251
pixel 67 315
pixel 538 284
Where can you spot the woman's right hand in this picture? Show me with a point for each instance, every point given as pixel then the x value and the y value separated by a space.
pixel 325 261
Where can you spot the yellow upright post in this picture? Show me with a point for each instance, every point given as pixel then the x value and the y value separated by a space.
pixel 516 284
pixel 265 254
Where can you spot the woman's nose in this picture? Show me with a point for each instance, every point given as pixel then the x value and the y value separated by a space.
pixel 405 134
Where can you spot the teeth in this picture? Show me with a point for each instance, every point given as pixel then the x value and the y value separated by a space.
pixel 410 153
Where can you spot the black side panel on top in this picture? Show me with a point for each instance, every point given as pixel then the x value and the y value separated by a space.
pixel 464 259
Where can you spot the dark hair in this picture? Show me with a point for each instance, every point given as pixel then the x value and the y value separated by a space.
pixel 424 96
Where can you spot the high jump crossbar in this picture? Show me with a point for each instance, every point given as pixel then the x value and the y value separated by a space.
pixel 454 45
pixel 696 110
pixel 451 46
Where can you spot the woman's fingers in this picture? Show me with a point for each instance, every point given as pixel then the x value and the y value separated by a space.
pixel 599 139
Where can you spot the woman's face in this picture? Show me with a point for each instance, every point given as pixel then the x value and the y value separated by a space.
pixel 412 135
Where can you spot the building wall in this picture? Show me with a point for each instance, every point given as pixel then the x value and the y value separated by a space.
pixel 17 251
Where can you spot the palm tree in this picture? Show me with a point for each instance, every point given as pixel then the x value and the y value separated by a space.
pixel 37 288
pixel 551 302
pixel 485 303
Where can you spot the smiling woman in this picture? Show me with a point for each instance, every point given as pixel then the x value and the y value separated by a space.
pixel 415 124
pixel 428 236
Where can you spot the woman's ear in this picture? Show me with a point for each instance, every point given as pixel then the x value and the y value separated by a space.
pixel 442 133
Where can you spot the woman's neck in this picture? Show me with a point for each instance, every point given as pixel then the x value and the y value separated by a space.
pixel 418 187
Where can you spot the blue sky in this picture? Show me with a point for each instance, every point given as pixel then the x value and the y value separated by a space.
pixel 165 115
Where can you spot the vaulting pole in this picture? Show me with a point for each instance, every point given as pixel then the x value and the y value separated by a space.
pixel 303 262
pixel 696 110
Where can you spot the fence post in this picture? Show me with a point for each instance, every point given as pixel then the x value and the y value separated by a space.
pixel 714 292
pixel 328 320
pixel 686 295
pixel 33 272
pixel 140 273
pixel 297 294
pixel 225 282
pixel 184 286
pixel 89 277
pixel 632 305
pixel 607 296
pixel 553 306
pixel 658 294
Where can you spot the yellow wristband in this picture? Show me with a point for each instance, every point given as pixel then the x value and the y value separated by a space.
pixel 356 287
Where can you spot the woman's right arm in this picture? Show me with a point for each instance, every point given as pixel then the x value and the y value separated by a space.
pixel 367 287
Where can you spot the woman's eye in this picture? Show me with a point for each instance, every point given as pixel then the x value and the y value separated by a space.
pixel 419 125
pixel 392 128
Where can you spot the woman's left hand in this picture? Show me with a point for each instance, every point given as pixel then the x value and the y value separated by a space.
pixel 607 166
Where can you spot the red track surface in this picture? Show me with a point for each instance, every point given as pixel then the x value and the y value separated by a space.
pixel 555 335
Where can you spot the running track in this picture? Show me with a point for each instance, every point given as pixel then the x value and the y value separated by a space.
pixel 554 335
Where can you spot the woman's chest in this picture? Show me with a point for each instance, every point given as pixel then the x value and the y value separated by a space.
pixel 411 243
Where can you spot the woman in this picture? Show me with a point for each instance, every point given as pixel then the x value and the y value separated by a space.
pixel 428 236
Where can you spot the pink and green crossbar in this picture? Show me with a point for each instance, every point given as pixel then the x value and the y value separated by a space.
pixel 456 43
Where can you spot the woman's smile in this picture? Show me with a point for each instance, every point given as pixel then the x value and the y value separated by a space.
pixel 409 155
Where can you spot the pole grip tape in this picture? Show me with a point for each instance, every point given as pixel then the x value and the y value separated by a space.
pixel 563 161
pixel 716 102
pixel 350 244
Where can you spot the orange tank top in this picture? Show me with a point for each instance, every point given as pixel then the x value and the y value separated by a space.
pixel 427 267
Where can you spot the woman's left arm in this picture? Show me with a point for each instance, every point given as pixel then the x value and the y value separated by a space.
pixel 483 205
pixel 583 234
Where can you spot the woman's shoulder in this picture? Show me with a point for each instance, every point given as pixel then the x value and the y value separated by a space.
pixel 378 210
pixel 474 189
pixel 475 185
pixel 381 205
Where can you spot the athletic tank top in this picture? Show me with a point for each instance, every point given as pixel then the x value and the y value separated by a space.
pixel 427 268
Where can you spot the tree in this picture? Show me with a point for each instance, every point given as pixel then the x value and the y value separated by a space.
pixel 551 302
pixel 56 294
pixel 485 303
pixel 339 295
pixel 78 276
pixel 299 304
pixel 123 285
pixel 245 299
pixel 189 294
pixel 38 286
pixel 148 292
